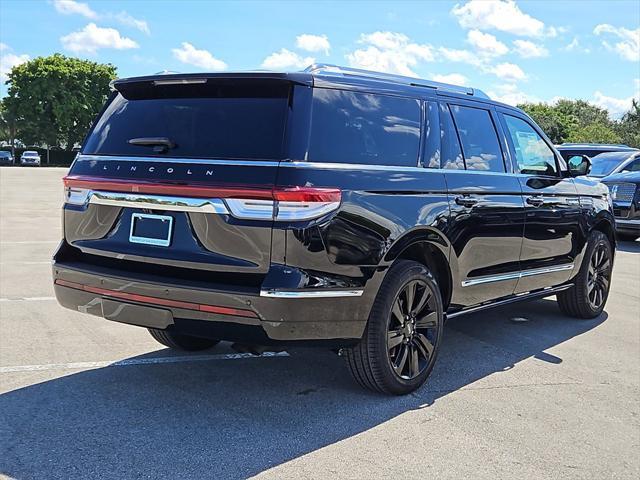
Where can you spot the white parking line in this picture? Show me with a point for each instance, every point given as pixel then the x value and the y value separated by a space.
pixel 27 299
pixel 136 361
pixel 28 242
pixel 44 262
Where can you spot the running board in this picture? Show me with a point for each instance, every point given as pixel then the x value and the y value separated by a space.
pixel 521 297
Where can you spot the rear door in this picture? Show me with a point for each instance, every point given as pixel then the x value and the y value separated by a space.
pixel 552 230
pixel 487 211
pixel 179 172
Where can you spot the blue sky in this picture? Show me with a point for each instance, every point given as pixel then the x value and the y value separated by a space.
pixel 529 50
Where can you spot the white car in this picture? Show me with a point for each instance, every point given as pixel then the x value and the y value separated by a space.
pixel 30 157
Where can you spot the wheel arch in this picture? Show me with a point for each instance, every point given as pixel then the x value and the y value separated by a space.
pixel 430 248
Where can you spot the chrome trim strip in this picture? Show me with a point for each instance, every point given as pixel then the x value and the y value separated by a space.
pixel 517 275
pixel 354 166
pixel 311 293
pixel 203 161
pixel 158 202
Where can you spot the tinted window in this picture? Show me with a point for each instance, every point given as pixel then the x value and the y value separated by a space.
pixel 350 127
pixel 218 122
pixel 632 167
pixel 479 140
pixel 432 136
pixel 532 153
pixel 451 152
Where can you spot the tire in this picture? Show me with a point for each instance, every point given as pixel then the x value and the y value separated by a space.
pixel 587 298
pixel 416 338
pixel 178 341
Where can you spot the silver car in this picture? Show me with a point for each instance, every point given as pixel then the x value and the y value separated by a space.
pixel 30 157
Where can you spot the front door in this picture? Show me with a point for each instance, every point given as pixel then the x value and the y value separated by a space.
pixel 552 207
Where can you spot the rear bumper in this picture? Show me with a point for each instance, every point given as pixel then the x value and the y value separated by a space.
pixel 271 315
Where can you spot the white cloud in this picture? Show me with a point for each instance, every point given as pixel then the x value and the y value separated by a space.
pixel 128 20
pixel 71 7
pixel 486 44
pixel 92 38
pixel 527 49
pixel 286 60
pixel 190 55
pixel 508 93
pixel 629 45
pixel 390 52
pixel 451 78
pixel 509 72
pixel 313 43
pixel 462 56
pixel 617 107
pixel 9 60
pixel 574 46
pixel 502 15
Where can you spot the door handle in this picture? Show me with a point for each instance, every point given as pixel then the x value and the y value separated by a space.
pixel 535 201
pixel 466 201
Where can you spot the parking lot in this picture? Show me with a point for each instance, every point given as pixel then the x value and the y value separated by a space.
pixel 82 397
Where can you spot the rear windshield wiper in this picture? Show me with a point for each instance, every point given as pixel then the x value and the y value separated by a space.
pixel 159 144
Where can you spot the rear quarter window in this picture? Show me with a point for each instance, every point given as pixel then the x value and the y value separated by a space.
pixel 362 128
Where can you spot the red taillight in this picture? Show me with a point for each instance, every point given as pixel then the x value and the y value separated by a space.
pixel 245 202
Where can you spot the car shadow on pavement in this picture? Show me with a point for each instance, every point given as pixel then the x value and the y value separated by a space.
pixel 234 419
pixel 629 247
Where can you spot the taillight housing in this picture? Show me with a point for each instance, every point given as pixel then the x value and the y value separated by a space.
pixel 288 204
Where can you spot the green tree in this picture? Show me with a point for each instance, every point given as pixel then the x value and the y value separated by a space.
pixel 54 99
pixel 554 123
pixel 629 126
pixel 583 113
pixel 594 133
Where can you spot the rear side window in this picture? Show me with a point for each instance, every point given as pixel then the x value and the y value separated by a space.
pixel 479 140
pixel 211 121
pixel 451 153
pixel 533 155
pixel 353 127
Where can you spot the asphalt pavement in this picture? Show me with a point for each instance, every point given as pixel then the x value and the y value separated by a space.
pixel 82 397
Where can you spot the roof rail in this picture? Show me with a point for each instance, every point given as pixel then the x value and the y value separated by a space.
pixel 326 68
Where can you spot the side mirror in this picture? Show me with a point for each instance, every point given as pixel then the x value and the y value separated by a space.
pixel 579 165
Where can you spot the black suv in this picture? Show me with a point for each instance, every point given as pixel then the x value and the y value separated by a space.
pixel 333 207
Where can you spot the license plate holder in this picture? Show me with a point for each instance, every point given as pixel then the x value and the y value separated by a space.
pixel 151 229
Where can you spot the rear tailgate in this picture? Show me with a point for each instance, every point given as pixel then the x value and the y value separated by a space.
pixel 171 168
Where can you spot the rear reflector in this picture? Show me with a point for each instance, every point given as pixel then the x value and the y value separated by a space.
pixel 165 302
pixel 251 203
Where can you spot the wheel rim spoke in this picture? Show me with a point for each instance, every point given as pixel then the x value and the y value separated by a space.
pixel 425 345
pixel 424 299
pixel 430 320
pixel 414 368
pixel 399 366
pixel 410 295
pixel 394 338
pixel 397 311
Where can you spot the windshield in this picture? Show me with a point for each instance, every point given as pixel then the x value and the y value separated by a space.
pixel 30 154
pixel 605 163
pixel 218 121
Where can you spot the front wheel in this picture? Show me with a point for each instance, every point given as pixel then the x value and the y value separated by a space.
pixel 588 296
pixel 402 338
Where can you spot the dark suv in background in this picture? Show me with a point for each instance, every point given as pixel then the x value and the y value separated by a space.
pixel 334 207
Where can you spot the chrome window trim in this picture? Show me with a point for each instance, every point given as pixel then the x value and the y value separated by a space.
pixel 158 202
pixel 353 166
pixel 311 293
pixel 517 275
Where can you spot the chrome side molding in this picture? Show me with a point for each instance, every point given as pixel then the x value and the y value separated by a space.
pixel 310 293
pixel 517 275
pixel 158 202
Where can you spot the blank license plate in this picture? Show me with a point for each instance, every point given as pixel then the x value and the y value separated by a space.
pixel 151 229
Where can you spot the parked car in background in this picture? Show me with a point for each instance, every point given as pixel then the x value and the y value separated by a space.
pixel 338 207
pixel 625 194
pixel 6 158
pixel 30 157
pixel 568 150
pixel 609 163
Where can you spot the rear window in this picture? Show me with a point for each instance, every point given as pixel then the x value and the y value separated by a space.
pixel 362 128
pixel 239 120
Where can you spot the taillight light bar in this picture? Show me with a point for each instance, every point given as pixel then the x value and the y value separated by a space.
pixel 164 302
pixel 252 203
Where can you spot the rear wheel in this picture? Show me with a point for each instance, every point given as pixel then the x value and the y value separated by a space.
pixel 179 341
pixel 402 338
pixel 588 296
